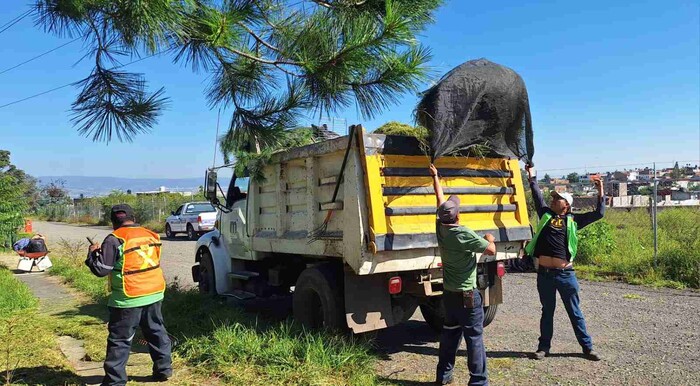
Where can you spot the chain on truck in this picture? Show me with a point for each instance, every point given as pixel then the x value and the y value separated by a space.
pixel 346 227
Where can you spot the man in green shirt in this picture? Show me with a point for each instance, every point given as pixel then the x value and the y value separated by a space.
pixel 464 313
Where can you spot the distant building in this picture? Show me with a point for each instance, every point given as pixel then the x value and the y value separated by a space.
pixel 163 190
pixel 560 188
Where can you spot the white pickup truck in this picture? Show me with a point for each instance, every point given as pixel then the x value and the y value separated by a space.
pixel 193 218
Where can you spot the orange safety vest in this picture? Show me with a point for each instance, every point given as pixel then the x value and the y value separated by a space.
pixel 141 272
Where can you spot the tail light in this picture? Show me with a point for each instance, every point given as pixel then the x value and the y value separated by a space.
pixel 199 219
pixel 395 285
pixel 500 269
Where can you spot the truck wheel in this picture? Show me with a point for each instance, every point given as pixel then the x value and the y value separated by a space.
pixel 169 232
pixel 318 299
pixel 191 234
pixel 207 280
pixel 490 314
pixel 434 314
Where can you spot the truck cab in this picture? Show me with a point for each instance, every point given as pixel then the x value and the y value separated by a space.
pixel 346 227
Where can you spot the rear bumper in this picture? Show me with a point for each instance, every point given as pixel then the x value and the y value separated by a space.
pixel 205 227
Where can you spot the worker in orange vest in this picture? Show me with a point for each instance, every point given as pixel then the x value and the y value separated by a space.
pixel 131 257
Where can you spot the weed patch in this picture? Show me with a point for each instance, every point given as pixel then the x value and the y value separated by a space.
pixel 621 247
pixel 221 341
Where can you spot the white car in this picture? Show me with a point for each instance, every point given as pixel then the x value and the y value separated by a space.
pixel 193 218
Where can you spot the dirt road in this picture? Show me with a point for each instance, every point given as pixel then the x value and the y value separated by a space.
pixel 177 256
pixel 647 336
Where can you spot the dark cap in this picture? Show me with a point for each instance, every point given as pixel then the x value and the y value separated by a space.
pixel 121 213
pixel 449 210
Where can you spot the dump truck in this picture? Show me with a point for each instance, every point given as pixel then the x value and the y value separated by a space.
pixel 346 228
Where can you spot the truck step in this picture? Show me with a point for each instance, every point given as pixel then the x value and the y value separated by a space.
pixel 240 295
pixel 243 275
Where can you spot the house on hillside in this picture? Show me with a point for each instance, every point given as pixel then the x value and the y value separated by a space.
pixel 163 190
pixel 645 175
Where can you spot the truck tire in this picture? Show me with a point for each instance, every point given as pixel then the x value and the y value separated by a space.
pixel 169 232
pixel 434 314
pixel 191 234
pixel 490 314
pixel 207 278
pixel 318 299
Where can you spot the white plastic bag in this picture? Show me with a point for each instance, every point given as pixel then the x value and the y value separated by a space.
pixel 25 264
pixel 43 263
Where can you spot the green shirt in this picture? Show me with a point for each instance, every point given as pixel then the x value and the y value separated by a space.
pixel 458 245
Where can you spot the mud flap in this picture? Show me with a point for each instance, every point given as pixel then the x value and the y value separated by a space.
pixel 493 294
pixel 367 302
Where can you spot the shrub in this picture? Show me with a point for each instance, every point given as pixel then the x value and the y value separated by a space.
pixel 596 243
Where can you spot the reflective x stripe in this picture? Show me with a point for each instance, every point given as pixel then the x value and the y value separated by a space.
pixel 451 327
pixel 107 267
pixel 147 257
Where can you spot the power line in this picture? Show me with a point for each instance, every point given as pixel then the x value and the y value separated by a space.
pixel 39 56
pixel 14 21
pixel 72 83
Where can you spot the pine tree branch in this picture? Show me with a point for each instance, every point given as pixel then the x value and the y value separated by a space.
pixel 261 60
pixel 329 5
pixel 258 38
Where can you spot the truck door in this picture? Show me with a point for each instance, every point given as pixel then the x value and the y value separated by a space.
pixel 234 229
pixel 176 226
pixel 233 225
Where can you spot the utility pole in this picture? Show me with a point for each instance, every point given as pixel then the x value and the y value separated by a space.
pixel 654 218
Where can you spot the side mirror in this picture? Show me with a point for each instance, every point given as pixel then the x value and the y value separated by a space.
pixel 210 186
pixel 172 212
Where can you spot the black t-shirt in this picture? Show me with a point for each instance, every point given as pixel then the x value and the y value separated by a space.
pixel 552 239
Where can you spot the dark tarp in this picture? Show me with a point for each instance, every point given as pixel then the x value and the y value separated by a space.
pixel 478 103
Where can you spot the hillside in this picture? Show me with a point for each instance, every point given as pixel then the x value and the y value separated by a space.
pixel 99 186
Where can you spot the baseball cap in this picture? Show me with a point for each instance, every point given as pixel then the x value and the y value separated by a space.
pixel 448 212
pixel 121 213
pixel 565 195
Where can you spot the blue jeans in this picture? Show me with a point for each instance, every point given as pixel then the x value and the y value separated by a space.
pixel 122 327
pixel 564 281
pixel 467 322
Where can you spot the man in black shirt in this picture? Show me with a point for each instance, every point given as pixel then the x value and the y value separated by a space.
pixel 555 245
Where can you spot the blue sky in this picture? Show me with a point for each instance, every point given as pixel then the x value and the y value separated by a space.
pixel 609 84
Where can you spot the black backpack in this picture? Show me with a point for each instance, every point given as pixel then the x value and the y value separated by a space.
pixel 36 245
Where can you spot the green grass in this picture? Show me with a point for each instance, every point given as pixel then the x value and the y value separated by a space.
pixel 14 295
pixel 220 341
pixel 633 297
pixel 74 273
pixel 28 350
pixel 621 247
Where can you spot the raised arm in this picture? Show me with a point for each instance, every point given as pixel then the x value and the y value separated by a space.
pixel 436 185
pixel 536 192
pixel 585 219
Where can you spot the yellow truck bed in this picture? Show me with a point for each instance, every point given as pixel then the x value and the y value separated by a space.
pixel 384 216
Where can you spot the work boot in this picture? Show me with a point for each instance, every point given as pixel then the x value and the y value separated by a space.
pixel 591 355
pixel 446 381
pixel 160 377
pixel 540 354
